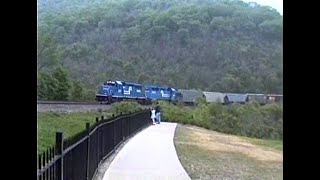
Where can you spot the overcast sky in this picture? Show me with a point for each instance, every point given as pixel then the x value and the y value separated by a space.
pixel 277 4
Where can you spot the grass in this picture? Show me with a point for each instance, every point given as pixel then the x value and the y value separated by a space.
pixel 269 144
pixel 70 123
pixel 207 154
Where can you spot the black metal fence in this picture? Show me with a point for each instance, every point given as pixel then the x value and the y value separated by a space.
pixel 77 158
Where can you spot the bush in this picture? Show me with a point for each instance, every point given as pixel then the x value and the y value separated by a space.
pixel 250 119
pixel 77 90
pixel 89 95
pixel 126 107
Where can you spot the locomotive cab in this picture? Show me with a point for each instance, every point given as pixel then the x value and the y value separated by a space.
pixel 105 92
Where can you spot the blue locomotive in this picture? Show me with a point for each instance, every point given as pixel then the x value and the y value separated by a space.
pixel 116 91
pixel 161 93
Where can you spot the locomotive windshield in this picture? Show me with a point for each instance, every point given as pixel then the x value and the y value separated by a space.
pixel 100 89
pixel 110 83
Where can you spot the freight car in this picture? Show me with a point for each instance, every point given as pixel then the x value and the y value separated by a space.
pixel 271 98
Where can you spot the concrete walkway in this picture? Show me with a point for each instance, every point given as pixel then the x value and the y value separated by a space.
pixel 149 155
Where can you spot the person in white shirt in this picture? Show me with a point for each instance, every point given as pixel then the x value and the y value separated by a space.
pixel 153 116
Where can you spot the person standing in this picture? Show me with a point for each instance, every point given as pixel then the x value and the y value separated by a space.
pixel 153 115
pixel 158 113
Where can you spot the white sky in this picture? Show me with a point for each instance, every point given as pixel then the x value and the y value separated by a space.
pixel 277 4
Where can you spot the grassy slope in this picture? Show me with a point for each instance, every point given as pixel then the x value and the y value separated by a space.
pixel 266 143
pixel 210 155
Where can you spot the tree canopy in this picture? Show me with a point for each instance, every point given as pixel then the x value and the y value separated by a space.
pixel 211 45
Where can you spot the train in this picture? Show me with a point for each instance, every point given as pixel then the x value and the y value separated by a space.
pixel 116 91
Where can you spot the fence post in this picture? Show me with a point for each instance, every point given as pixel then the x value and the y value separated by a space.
pixel 52 156
pixel 47 161
pixel 129 124
pixel 88 149
pixel 122 126
pixel 114 133
pixel 59 147
pixel 98 139
pixel 39 162
pixel 147 117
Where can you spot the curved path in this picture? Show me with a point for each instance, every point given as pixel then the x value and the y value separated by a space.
pixel 149 155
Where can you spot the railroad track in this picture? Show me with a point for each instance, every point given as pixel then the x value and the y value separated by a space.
pixel 73 106
pixel 70 102
pixel 70 106
pixel 76 103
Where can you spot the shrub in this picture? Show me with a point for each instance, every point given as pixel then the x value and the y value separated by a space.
pixel 126 107
pixel 250 119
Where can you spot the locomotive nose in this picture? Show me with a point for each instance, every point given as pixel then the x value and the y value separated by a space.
pixel 106 90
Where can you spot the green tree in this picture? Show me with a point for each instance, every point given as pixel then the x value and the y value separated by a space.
pixel 46 87
pixel 187 44
pixel 48 51
pixel 63 83
pixel 183 36
pixel 77 90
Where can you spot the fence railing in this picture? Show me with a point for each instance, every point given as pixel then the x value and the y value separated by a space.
pixel 78 158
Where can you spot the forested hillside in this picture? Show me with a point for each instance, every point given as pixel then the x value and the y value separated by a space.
pixel 212 45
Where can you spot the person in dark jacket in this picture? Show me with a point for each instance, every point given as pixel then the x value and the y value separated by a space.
pixel 158 113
